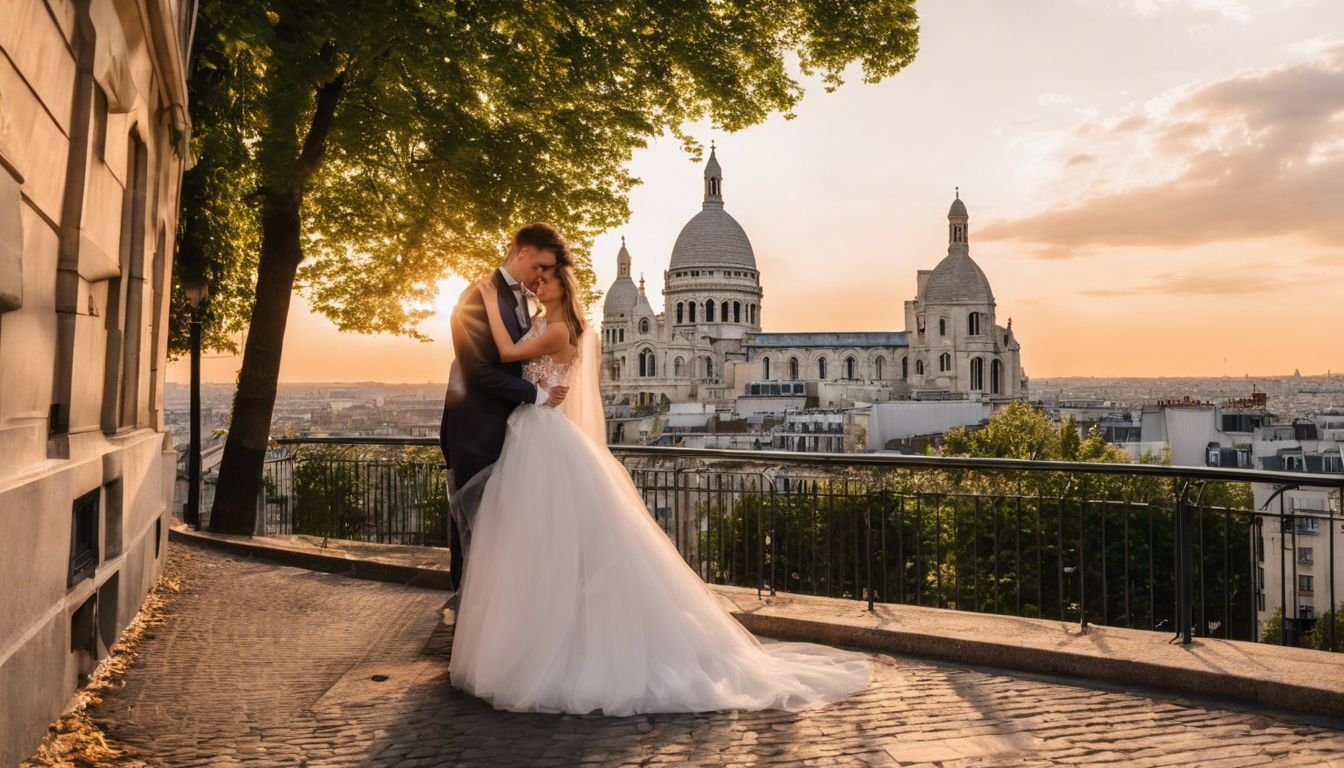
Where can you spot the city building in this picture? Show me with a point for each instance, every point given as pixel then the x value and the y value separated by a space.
pixel 94 137
pixel 707 344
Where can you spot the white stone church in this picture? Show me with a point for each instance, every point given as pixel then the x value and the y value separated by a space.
pixel 707 345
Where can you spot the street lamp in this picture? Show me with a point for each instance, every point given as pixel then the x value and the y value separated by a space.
pixel 197 291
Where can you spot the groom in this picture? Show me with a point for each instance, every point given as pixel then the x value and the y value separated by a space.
pixel 477 404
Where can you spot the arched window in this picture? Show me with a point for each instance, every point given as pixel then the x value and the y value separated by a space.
pixel 680 307
pixel 709 311
pixel 691 308
pixel 977 374
pixel 996 378
pixel 849 367
pixel 945 362
pixel 905 368
pixel 621 338
pixel 765 362
pixel 793 368
pixel 942 326
pixel 737 311
pixel 723 312
pixel 646 367
pixel 919 367
pixel 973 324
pixel 709 367
pixel 821 368
pixel 644 325
pixel 679 367
pixel 877 367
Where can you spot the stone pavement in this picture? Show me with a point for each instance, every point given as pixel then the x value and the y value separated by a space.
pixel 262 664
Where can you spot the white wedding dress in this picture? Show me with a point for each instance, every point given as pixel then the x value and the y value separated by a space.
pixel 574 600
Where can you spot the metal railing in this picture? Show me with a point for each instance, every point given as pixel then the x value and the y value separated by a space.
pixel 1146 546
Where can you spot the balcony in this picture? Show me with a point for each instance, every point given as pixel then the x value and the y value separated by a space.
pixel 1122 545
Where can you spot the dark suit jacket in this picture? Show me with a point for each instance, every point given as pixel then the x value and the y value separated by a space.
pixel 473 423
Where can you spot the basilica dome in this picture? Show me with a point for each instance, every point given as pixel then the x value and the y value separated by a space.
pixel 712 238
pixel 957 280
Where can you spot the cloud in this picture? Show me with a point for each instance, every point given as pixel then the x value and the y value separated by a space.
pixel 1206 284
pixel 1257 155
pixel 1049 99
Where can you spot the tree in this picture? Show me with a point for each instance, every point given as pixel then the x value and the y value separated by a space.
pixel 386 144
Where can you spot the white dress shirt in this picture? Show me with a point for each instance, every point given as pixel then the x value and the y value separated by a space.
pixel 523 320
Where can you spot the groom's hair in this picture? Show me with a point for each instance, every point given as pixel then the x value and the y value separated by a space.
pixel 543 237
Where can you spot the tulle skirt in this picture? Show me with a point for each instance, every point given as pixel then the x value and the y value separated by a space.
pixel 574 600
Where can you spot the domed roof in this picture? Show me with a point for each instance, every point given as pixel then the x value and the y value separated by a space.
pixel 958 208
pixel 712 238
pixel 623 294
pixel 621 297
pixel 957 280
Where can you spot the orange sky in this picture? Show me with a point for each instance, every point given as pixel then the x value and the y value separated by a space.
pixel 1155 188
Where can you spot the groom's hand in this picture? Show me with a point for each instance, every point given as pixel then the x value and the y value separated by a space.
pixel 557 396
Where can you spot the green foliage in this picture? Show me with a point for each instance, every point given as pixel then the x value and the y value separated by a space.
pixel 328 493
pixel 1319 636
pixel 1272 631
pixel 452 123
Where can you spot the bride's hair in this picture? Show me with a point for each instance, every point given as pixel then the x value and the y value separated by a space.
pixel 571 309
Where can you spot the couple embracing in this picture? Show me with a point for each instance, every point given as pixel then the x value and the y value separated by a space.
pixel 571 598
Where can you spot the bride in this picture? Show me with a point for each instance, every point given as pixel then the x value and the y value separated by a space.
pixel 573 599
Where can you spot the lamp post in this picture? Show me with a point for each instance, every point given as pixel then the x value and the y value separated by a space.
pixel 197 291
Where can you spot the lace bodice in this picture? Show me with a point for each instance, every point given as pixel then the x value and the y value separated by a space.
pixel 543 371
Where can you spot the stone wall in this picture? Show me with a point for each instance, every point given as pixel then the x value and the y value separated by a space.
pixel 93 135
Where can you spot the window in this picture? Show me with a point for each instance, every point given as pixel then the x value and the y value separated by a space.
pixel 709 367
pixel 678 367
pixel 709 311
pixel 646 366
pixel 644 325
pixel 1308 525
pixel 737 311
pixel 1332 464
pixel 849 368
pixel 793 368
pixel 1305 555
pixel 1304 583
pixel 945 362
pixel 621 337
pixel 1305 611
pixel 942 326
pixel 766 364
pixel 977 374
pixel 821 368
pixel 973 324
pixel 99 122
pixel 905 368
pixel 691 308
pixel 919 367
pixel 680 313
pixel 1292 463
pixel 723 314
pixel 877 367
pixel 1213 457
pixel 996 378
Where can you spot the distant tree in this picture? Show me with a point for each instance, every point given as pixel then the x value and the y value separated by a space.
pixel 364 150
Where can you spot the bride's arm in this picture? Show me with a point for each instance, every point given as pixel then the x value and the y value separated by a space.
pixel 551 340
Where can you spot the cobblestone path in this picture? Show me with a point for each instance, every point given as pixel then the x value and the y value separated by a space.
pixel 265 665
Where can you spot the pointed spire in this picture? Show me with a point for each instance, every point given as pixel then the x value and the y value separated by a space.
pixel 713 181
pixel 641 283
pixel 623 260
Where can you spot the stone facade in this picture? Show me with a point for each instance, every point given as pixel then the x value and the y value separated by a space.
pixel 93 136
pixel 707 345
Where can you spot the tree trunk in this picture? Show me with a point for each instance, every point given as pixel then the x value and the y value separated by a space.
pixel 240 470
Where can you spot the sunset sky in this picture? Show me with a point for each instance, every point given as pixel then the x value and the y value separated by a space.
pixel 1154 186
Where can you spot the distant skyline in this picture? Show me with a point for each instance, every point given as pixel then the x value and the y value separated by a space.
pixel 1154 186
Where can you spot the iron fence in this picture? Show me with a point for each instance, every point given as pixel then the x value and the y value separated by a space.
pixel 1145 546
